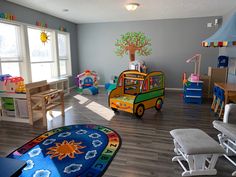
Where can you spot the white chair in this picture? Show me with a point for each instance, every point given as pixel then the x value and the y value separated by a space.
pixel 227 137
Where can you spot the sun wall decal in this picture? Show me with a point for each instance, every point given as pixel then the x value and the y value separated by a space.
pixel 64 149
pixel 44 37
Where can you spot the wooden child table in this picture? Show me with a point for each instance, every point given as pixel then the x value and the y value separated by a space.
pixel 229 89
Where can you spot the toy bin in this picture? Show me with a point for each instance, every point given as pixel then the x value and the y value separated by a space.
pixel 193 99
pixel 193 92
pixel 10 113
pixel 8 104
pixel 9 107
pixel 21 106
pixel 7 100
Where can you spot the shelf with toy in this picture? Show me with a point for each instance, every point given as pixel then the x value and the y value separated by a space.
pixel 12 89
pixel 12 109
pixel 193 85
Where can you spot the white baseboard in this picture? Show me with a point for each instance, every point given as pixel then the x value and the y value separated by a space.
pixel 73 87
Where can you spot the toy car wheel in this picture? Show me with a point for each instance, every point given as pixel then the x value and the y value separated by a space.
pixel 159 104
pixel 115 110
pixel 139 111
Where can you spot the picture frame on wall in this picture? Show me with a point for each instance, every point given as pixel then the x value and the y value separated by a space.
pixel 232 66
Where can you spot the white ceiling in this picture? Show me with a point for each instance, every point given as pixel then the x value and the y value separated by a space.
pixel 92 11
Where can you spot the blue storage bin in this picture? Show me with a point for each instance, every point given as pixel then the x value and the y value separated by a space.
pixel 192 99
pixel 193 92
pixel 194 85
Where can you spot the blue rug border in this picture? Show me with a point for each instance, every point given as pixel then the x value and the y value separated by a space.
pixel 105 169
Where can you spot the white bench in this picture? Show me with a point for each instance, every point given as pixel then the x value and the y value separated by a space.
pixel 227 135
pixel 198 149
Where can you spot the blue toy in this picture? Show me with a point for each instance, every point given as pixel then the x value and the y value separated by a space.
pixel 112 84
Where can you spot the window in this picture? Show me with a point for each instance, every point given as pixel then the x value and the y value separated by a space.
pixel 64 54
pixel 41 55
pixel 10 56
pixel 22 53
pixel 156 82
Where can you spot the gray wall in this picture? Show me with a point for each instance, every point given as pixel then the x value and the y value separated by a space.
pixel 30 16
pixel 229 51
pixel 173 41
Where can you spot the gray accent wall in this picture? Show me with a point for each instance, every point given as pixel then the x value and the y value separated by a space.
pixel 173 42
pixel 29 16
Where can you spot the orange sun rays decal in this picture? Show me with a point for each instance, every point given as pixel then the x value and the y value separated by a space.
pixel 44 37
pixel 64 149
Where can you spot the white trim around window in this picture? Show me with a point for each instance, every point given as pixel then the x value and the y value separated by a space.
pixel 59 66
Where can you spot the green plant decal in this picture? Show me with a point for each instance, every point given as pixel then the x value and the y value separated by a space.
pixel 131 42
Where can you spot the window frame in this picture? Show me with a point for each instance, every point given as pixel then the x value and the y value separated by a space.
pixel 64 58
pixel 20 48
pixel 53 61
pixel 24 60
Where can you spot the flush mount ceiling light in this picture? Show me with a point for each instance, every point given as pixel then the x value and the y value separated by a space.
pixel 132 6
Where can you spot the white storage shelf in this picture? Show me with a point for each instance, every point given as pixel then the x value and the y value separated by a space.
pixel 20 107
pixel 20 113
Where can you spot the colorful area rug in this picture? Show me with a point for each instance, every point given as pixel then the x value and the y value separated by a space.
pixel 70 151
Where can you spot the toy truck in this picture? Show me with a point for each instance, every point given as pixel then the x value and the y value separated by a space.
pixel 135 92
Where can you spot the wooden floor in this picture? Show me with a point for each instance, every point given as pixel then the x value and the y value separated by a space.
pixel 147 146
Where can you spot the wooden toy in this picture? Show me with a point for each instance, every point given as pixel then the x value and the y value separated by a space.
pixel 87 82
pixel 135 92
pixel 40 99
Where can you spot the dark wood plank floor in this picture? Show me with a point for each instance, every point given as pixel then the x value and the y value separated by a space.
pixel 147 146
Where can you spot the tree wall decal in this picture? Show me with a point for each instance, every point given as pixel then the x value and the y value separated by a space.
pixel 131 42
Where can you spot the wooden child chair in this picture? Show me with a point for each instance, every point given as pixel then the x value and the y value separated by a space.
pixel 40 99
pixel 215 97
pixel 220 104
